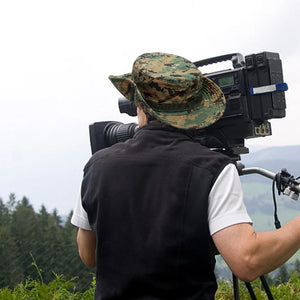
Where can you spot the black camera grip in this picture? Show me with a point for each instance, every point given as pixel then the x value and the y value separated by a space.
pixel 236 58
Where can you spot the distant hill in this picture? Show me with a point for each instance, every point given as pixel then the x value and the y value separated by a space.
pixel 289 153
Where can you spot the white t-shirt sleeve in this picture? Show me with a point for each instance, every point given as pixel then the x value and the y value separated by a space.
pixel 79 217
pixel 225 203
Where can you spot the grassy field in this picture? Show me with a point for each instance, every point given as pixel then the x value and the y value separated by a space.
pixel 60 289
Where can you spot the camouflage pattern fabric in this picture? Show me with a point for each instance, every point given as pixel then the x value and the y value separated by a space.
pixel 173 90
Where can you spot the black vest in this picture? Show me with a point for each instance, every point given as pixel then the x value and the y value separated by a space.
pixel 146 200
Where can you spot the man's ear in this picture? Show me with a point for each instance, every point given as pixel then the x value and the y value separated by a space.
pixel 142 117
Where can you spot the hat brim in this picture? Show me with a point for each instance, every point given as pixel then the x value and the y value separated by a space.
pixel 207 109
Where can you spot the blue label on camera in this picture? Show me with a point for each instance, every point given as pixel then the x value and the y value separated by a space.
pixel 276 87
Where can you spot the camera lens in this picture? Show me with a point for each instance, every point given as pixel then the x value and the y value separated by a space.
pixel 116 132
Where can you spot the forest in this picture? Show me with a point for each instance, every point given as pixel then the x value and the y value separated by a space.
pixel 28 237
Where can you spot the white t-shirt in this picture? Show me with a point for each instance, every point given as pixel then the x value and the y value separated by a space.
pixel 225 208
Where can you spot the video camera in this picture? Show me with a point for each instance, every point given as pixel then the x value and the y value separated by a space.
pixel 254 92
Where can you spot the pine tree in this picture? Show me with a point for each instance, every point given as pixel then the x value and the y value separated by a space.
pixel 297 266
pixel 4 214
pixel 283 275
pixel 11 272
pixel 51 243
pixel 23 229
pixel 27 237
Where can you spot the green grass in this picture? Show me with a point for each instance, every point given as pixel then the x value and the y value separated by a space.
pixel 61 289
pixel 58 289
pixel 288 291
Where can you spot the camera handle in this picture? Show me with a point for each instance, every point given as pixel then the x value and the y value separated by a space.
pixel 236 58
pixel 285 183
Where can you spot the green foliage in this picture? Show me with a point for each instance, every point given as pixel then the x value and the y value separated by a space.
pixel 297 266
pixel 58 289
pixel 282 276
pixel 62 289
pixel 283 291
pixel 25 233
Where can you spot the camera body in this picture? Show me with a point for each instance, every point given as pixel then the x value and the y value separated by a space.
pixel 254 92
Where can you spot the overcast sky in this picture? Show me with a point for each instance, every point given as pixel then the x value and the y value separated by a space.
pixel 56 56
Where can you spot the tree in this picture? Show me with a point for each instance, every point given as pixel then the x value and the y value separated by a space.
pixel 56 217
pixel 282 276
pixel 4 214
pixel 11 202
pixel 27 237
pixel 23 229
pixel 297 266
pixel 51 244
pixel 11 272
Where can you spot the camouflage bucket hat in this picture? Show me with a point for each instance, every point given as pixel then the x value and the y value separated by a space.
pixel 173 90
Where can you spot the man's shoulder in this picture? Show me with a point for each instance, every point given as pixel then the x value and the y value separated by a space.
pixel 202 156
pixel 107 154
